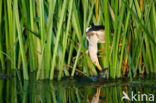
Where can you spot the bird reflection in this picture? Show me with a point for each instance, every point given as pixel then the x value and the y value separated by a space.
pixel 95 98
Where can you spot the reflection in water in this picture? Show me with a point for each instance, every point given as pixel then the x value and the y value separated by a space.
pixel 95 98
pixel 71 91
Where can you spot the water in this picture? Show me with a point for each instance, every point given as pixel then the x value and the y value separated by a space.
pixel 78 90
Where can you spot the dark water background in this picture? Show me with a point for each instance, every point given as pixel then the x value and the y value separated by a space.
pixel 76 90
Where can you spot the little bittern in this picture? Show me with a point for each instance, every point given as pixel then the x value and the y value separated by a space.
pixel 95 34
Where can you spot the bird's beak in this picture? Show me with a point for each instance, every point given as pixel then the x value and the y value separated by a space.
pixel 98 66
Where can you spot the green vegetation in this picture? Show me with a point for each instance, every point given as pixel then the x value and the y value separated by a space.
pixel 48 37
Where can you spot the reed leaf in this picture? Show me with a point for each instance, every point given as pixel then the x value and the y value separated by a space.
pixel 57 39
pixel 25 68
pixel 1 49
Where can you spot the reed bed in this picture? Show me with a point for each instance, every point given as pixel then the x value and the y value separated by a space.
pixel 48 37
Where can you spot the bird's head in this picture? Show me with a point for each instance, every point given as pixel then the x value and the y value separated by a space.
pixel 96 31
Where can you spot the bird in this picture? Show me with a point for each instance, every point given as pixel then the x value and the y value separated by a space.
pixel 95 98
pixel 95 35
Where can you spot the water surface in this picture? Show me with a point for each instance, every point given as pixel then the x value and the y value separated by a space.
pixel 78 90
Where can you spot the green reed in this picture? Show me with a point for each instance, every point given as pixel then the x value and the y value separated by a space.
pixel 1 55
pixel 25 67
pixel 48 37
